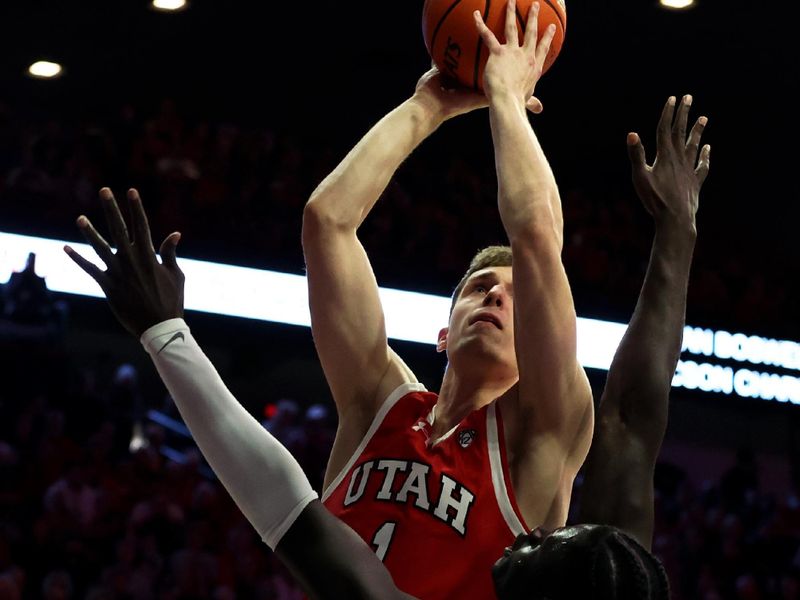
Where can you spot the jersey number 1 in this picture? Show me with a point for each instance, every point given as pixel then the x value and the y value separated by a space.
pixel 383 539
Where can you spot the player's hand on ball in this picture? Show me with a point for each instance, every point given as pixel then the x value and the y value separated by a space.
pixel 513 67
pixel 141 291
pixel 670 188
pixel 446 99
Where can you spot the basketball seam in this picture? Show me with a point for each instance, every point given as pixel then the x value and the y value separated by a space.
pixel 479 48
pixel 441 21
pixel 558 15
pixel 524 22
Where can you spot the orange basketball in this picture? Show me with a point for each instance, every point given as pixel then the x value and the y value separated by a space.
pixel 455 46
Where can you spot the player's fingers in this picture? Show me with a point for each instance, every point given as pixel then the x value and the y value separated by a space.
pixel 512 33
pixel 486 34
pixel 543 49
pixel 534 105
pixel 693 144
pixel 95 240
pixel 532 27
pixel 665 124
pixel 636 152
pixel 89 267
pixel 704 165
pixel 141 228
pixel 679 126
pixel 116 224
pixel 168 250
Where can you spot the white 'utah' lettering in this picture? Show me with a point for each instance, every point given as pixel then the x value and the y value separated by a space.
pixel 452 506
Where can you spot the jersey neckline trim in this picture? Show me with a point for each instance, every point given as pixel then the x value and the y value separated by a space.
pixel 387 405
pixel 431 420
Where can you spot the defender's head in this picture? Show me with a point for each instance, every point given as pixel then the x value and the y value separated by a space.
pixel 591 562
pixel 481 323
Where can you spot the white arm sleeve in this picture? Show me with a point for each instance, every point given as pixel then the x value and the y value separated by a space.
pixel 262 477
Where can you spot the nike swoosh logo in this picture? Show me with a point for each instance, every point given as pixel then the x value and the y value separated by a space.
pixel 172 339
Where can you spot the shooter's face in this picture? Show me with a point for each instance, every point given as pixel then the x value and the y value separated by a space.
pixel 482 322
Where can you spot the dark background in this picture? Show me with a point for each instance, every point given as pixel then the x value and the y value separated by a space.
pixel 332 68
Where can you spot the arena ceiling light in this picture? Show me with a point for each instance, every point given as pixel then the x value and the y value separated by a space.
pixel 169 5
pixel 44 69
pixel 677 4
pixel 720 362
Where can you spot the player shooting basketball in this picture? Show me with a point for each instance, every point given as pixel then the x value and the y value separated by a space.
pixel 319 548
pixel 498 449
pixel 598 561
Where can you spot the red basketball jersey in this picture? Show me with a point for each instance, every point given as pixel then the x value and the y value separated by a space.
pixel 439 515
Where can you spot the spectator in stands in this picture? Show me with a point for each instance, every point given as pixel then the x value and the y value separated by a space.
pixel 27 299
pixel 286 426
pixel 57 586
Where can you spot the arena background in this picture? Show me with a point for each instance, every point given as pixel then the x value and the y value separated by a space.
pixel 225 116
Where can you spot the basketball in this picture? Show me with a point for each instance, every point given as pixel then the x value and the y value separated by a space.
pixel 456 48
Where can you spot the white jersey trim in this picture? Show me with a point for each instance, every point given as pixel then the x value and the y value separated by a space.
pixel 387 405
pixel 498 478
pixel 431 418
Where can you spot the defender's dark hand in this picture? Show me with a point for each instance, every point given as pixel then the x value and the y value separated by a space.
pixel 670 189
pixel 141 291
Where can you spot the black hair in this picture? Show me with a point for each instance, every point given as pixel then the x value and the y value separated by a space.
pixel 586 562
pixel 622 569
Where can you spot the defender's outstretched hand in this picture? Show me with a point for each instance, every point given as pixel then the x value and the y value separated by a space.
pixel 512 67
pixel 670 189
pixel 141 290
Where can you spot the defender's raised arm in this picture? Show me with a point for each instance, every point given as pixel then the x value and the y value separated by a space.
pixel 632 417
pixel 265 481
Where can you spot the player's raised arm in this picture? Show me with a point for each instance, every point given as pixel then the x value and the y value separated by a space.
pixel 554 398
pixel 632 416
pixel 264 480
pixel 346 315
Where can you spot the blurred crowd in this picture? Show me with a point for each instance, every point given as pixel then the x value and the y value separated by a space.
pixel 237 192
pixel 103 496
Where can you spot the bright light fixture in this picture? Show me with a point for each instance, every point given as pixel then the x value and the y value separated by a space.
pixel 169 4
pixel 676 4
pixel 415 317
pixel 44 69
